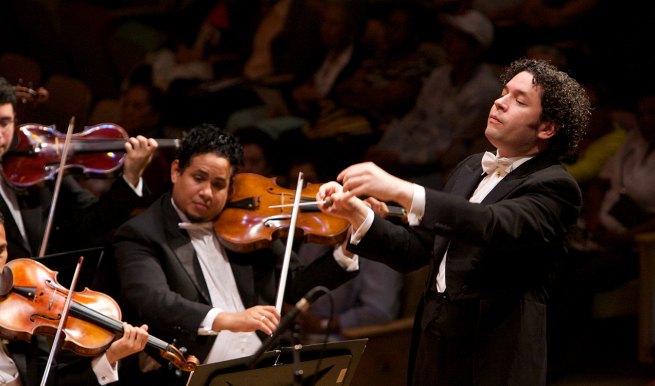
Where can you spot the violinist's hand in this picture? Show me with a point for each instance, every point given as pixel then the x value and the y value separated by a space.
pixel 368 179
pixel 378 207
pixel 134 339
pixel 139 154
pixel 265 318
pixel 347 207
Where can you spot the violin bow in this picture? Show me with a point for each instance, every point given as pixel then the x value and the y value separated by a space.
pixel 62 321
pixel 287 252
pixel 60 175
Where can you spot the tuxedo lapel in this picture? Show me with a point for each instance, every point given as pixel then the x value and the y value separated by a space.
pixel 180 243
pixel 516 177
pixel 13 234
pixel 467 180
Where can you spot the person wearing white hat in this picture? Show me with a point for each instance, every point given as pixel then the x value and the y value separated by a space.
pixel 443 126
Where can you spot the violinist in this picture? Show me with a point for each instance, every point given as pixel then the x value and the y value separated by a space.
pixel 20 361
pixel 177 277
pixel 81 219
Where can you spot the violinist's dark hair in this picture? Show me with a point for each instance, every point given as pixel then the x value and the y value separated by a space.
pixel 563 101
pixel 2 219
pixel 208 138
pixel 7 93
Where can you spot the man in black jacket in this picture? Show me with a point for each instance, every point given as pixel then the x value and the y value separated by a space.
pixel 81 220
pixel 22 363
pixel 493 238
pixel 177 277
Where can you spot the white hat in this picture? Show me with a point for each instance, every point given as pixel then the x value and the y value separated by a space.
pixel 475 23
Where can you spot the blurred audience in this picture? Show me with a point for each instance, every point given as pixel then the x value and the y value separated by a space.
pixel 444 125
pixel 258 157
pixel 620 204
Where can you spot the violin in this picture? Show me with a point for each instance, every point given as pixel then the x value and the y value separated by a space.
pixel 98 151
pixel 248 224
pixel 31 302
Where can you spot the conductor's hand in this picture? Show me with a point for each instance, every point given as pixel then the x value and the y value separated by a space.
pixel 347 207
pixel 265 318
pixel 139 154
pixel 368 179
pixel 134 339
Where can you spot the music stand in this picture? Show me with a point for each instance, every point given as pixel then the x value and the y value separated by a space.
pixel 65 263
pixel 338 366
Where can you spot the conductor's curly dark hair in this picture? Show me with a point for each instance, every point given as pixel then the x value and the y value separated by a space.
pixel 563 101
pixel 206 138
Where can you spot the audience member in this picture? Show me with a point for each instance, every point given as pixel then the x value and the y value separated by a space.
pixel 257 151
pixel 141 113
pixel 620 204
pixel 341 28
pixel 386 86
pixel 443 127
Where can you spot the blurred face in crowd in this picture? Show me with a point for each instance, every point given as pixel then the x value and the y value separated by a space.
pixel 334 28
pixel 201 190
pixel 309 175
pixel 254 160
pixel 396 29
pixel 137 114
pixel 514 126
pixel 459 47
pixel 3 247
pixel 646 118
pixel 7 120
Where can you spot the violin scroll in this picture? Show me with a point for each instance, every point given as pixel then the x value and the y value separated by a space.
pixel 177 359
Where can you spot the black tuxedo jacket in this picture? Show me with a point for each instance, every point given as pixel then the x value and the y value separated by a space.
pixel 162 283
pixel 81 220
pixel 31 357
pixel 501 260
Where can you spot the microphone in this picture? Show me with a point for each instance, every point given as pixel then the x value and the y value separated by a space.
pixel 286 322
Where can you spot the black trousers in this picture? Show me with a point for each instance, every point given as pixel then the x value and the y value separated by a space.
pixel 445 350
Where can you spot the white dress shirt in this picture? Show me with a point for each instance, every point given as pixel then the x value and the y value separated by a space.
pixel 417 210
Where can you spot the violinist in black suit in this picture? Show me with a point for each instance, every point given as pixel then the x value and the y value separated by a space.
pixel 493 238
pixel 81 220
pixel 22 363
pixel 176 276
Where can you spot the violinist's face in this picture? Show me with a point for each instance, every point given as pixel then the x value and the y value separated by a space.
pixel 7 118
pixel 201 190
pixel 3 247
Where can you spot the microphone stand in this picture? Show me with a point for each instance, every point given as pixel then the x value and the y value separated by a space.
pixel 297 346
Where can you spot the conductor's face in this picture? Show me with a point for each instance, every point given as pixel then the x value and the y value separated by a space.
pixel 514 126
pixel 201 190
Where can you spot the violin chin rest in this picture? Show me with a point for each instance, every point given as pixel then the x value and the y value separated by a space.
pixel 6 281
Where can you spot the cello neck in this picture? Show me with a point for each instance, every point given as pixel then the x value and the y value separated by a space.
pixel 107 145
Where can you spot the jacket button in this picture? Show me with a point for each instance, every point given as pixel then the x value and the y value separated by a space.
pixel 465 289
pixel 475 262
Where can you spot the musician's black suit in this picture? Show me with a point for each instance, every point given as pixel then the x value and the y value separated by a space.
pixel 162 283
pixel 501 260
pixel 81 220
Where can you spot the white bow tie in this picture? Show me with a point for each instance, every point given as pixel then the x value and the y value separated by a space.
pixel 202 226
pixel 492 164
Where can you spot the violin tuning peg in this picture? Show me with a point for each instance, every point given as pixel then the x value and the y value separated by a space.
pixel 183 350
